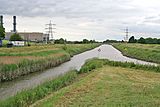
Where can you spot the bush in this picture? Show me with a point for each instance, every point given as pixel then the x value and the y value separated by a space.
pixel 92 64
pixel 16 37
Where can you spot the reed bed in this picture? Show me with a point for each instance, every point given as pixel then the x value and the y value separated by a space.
pixel 98 63
pixel 12 71
pixel 25 98
pixel 42 57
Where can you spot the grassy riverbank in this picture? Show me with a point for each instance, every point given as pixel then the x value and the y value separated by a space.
pixel 147 52
pixel 108 86
pixel 98 83
pixel 25 98
pixel 18 61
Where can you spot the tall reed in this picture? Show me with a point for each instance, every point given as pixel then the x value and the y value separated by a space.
pixel 12 71
pixel 97 63
pixel 25 98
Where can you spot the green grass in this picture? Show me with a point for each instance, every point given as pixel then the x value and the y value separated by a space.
pixel 111 84
pixel 36 58
pixel 147 52
pixel 72 49
pixel 12 71
pixel 78 48
pixel 28 97
pixel 40 53
pixel 98 63
pixel 108 86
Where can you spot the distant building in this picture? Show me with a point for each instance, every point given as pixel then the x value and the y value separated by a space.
pixel 28 36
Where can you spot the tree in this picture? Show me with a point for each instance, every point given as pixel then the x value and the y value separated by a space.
pixel 142 40
pixel 60 41
pixel 158 41
pixel 2 32
pixel 132 40
pixel 16 37
pixel 92 41
pixel 85 41
pixel 151 40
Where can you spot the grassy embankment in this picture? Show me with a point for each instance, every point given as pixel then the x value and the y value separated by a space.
pixel 109 86
pixel 147 52
pixel 113 84
pixel 18 61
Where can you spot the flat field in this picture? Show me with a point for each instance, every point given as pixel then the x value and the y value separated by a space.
pixel 147 52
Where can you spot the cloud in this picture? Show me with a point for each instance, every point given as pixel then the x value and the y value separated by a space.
pixel 92 18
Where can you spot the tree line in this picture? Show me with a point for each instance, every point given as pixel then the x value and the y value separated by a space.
pixel 144 40
pixel 64 41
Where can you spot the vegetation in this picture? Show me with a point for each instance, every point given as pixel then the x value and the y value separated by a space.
pixel 108 86
pixel 2 32
pixel 141 40
pixel 64 41
pixel 92 64
pixel 132 40
pixel 78 48
pixel 116 82
pixel 60 41
pixel 4 43
pixel 28 97
pixel 12 71
pixel 144 41
pixel 147 52
pixel 98 63
pixel 15 62
pixel 16 37
pixel 112 41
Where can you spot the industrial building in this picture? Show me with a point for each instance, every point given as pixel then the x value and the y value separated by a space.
pixel 26 36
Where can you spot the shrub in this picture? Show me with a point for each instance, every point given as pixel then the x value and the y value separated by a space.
pixel 92 64
pixel 16 37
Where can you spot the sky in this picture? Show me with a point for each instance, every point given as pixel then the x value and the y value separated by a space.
pixel 89 19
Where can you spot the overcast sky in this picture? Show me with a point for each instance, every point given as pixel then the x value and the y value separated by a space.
pixel 91 19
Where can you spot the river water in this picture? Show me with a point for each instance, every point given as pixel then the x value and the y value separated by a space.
pixel 8 89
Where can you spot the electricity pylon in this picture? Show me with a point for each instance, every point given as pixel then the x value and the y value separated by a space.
pixel 126 37
pixel 50 31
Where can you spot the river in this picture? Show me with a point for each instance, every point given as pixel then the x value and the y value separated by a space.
pixel 8 89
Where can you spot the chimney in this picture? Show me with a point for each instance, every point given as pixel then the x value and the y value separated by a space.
pixel 1 21
pixel 14 24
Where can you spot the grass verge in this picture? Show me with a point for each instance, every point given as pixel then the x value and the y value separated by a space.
pixel 147 52
pixel 85 92
pixel 28 97
pixel 108 86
